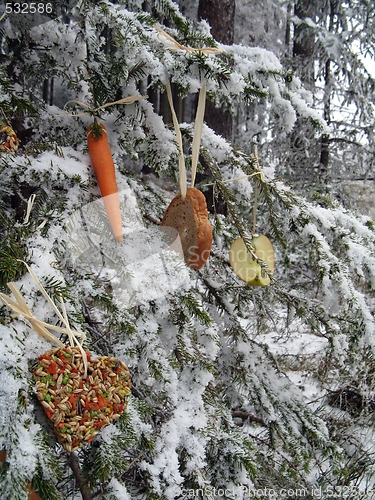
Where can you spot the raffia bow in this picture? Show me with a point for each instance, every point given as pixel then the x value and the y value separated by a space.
pixel 125 100
pixel 173 44
pixel 19 307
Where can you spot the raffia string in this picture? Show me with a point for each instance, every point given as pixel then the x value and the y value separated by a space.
pixel 172 44
pixel 260 173
pixel 30 203
pixel 197 137
pixel 125 100
pixel 181 159
pixel 19 307
pixel 262 178
pixel 198 126
pixel 256 190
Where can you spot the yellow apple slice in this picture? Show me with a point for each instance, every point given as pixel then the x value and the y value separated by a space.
pixel 244 265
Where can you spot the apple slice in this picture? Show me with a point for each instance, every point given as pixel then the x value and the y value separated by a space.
pixel 246 267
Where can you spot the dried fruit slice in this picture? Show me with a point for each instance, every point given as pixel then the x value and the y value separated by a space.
pixel 190 218
pixel 244 265
pixel 79 408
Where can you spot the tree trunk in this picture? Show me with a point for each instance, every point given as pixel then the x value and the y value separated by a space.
pixel 324 151
pixel 304 160
pixel 220 16
pixel 303 44
pixel 324 148
pixel 288 29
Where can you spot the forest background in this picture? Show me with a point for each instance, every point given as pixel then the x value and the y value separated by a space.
pixel 237 391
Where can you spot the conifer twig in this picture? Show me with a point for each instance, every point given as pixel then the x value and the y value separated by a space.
pixel 244 415
pixel 82 484
pixel 152 219
pixel 239 178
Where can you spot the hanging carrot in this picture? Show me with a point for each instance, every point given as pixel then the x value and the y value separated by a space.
pixel 102 162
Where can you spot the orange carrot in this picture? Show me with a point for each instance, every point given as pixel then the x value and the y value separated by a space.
pixel 102 162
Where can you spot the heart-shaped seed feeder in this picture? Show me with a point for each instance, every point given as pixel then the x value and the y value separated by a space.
pixel 8 138
pixel 79 394
pixel 79 408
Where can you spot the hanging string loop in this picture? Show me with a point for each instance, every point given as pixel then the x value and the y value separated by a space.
pixel 19 307
pixel 125 100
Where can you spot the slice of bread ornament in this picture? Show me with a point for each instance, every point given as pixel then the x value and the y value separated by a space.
pixel 190 218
